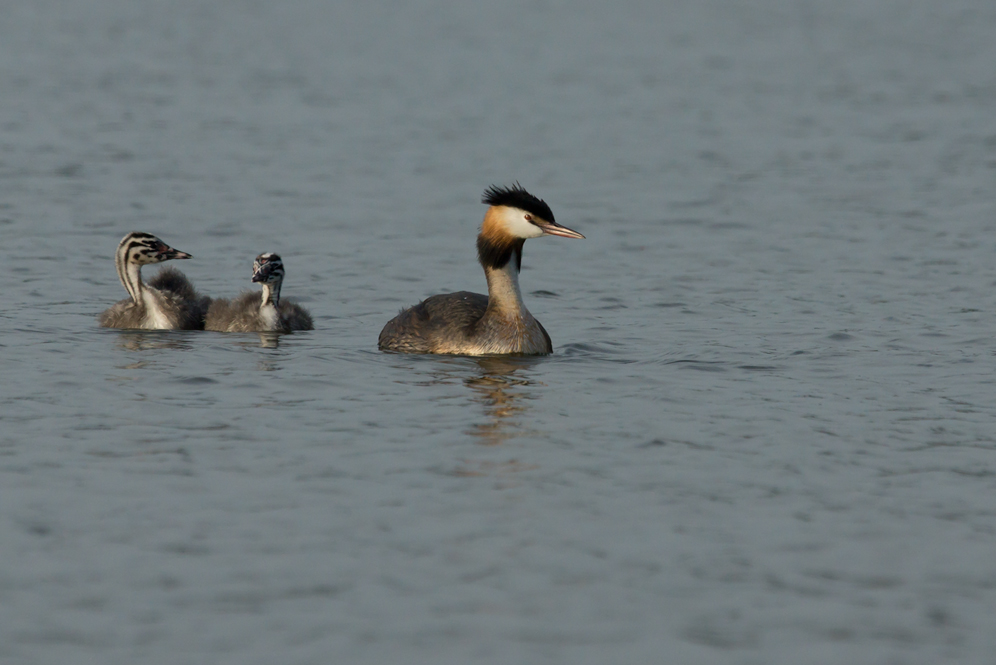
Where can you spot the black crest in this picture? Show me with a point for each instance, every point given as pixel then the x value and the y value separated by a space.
pixel 517 197
pixel 136 239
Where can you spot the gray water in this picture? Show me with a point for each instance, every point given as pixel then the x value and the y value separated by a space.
pixel 768 431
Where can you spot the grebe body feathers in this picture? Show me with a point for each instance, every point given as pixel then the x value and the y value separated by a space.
pixel 467 323
pixel 253 311
pixel 168 302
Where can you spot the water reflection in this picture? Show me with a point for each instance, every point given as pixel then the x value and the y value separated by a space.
pixel 504 395
pixel 151 340
pixel 154 340
pixel 267 340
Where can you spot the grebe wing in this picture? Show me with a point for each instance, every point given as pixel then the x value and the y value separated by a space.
pixel 122 314
pixel 295 317
pixel 240 314
pixel 416 329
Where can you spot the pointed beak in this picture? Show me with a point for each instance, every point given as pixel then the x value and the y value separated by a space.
pixel 166 253
pixel 555 229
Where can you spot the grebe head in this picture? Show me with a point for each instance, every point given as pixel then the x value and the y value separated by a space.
pixel 144 248
pixel 516 213
pixel 514 216
pixel 268 269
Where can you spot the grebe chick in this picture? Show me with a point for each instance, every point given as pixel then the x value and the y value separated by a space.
pixel 167 302
pixel 249 313
pixel 472 324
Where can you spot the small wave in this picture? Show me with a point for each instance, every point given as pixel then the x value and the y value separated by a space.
pixel 700 365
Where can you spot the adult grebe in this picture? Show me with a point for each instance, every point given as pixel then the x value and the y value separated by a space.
pixel 249 313
pixel 168 301
pixel 472 324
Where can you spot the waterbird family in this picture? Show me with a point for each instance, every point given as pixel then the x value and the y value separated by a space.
pixel 461 323
pixel 170 302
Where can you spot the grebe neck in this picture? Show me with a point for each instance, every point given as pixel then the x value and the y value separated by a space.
pixel 130 274
pixel 504 295
pixel 271 294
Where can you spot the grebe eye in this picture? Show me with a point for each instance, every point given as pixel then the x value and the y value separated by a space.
pixel 529 217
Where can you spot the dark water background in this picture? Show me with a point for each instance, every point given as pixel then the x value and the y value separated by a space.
pixel 768 432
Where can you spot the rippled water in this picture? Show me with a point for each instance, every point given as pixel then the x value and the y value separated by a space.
pixel 766 434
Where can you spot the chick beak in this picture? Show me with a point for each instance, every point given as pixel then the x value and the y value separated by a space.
pixel 262 274
pixel 555 229
pixel 166 252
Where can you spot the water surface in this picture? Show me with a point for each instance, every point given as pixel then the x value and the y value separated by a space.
pixel 766 434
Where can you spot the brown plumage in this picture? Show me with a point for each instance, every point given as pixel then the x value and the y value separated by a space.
pixel 473 324
pixel 456 323
pixel 168 301
pixel 255 311
pixel 242 314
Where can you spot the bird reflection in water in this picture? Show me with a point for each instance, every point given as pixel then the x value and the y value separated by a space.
pixel 155 340
pixel 267 340
pixel 504 396
pixel 152 340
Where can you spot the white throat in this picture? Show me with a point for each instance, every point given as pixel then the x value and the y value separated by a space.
pixel 155 318
pixel 268 312
pixel 269 316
